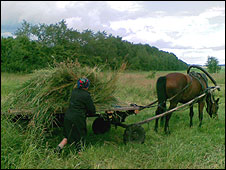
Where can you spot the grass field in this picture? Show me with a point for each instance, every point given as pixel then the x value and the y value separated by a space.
pixel 184 148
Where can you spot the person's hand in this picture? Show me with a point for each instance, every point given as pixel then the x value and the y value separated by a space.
pixel 136 111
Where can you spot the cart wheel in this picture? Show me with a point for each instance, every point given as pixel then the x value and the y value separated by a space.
pixel 101 126
pixel 134 133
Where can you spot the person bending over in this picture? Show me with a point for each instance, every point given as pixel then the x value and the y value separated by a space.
pixel 81 105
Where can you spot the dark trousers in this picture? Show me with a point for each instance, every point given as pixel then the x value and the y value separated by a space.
pixel 75 131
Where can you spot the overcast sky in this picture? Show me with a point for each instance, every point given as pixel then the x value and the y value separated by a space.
pixel 192 30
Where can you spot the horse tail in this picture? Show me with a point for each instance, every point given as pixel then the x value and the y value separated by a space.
pixel 161 89
pixel 161 93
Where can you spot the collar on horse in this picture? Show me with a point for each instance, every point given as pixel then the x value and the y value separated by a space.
pixel 199 76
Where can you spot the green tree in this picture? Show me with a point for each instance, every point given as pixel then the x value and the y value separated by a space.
pixel 37 46
pixel 212 64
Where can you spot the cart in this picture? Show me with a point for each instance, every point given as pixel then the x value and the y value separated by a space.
pixel 116 116
pixel 133 132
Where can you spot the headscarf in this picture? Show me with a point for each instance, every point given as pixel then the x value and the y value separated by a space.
pixel 83 83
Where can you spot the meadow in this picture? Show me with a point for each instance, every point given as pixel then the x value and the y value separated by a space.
pixel 184 148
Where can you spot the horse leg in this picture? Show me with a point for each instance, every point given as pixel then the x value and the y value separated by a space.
pixel 157 112
pixel 162 118
pixel 161 108
pixel 191 115
pixel 172 105
pixel 201 106
pixel 156 121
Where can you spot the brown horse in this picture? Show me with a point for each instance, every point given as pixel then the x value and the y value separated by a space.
pixel 181 88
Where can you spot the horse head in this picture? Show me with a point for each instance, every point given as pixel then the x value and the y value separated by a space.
pixel 212 105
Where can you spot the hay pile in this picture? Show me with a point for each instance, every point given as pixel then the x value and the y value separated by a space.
pixel 48 91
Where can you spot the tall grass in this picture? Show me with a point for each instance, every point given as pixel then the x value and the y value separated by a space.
pixel 184 148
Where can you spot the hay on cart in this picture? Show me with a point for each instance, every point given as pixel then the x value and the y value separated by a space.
pixel 48 90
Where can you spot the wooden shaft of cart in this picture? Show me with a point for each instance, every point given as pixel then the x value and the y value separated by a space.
pixel 176 108
pixel 127 108
pixel 120 108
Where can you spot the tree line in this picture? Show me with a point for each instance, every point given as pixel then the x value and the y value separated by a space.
pixel 37 46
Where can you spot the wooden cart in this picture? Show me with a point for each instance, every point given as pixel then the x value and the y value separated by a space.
pixel 133 132
pixel 117 115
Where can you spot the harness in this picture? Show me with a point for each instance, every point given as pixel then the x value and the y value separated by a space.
pixel 192 75
pixel 198 77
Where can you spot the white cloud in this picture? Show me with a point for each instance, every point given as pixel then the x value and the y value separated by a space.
pixel 7 34
pixel 121 6
pixel 63 4
pixel 199 56
pixel 213 12
pixel 190 30
pixel 73 21
pixel 194 32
